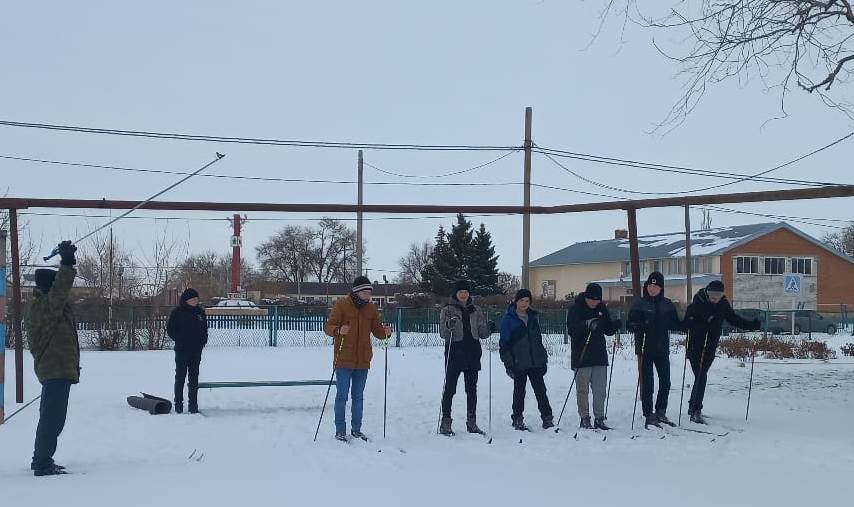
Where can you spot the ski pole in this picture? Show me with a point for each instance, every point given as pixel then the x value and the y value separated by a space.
pixel 611 375
pixel 575 376
pixel 750 387
pixel 385 388
pixel 328 388
pixel 490 395
pixel 637 387
pixel 445 380
pixel 219 156
pixel 684 368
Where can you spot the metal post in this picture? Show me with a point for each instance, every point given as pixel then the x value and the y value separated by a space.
pixel 633 252
pixel 2 325
pixel 16 307
pixel 359 216
pixel 688 259
pixel 304 325
pixel 397 330
pixel 526 216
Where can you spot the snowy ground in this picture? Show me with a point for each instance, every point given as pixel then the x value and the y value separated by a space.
pixel 256 444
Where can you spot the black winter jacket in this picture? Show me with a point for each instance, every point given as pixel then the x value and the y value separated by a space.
pixel 704 320
pixel 652 319
pixel 596 353
pixel 187 327
pixel 521 346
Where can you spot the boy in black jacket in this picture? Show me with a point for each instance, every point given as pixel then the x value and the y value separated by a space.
pixel 652 317
pixel 704 318
pixel 588 322
pixel 188 328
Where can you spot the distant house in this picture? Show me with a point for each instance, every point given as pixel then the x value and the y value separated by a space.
pixel 769 265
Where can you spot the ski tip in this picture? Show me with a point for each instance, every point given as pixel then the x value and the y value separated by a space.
pixel 604 438
pixel 557 430
pixel 489 441
pixel 575 436
pixel 520 440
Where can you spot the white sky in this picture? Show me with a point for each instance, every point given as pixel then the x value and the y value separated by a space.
pixel 434 73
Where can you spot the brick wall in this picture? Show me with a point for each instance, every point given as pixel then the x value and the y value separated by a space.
pixel 833 275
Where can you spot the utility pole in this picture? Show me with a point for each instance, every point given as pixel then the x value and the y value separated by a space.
pixel 236 243
pixel 688 261
pixel 110 307
pixel 359 215
pixel 526 217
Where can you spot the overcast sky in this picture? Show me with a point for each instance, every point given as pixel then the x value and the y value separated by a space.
pixel 438 72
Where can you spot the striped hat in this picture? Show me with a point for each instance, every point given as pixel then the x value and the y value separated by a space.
pixel 362 283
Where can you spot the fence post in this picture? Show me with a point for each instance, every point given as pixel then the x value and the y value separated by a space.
pixel 270 325
pixel 130 328
pixel 397 327
pixel 2 324
pixel 276 326
pixel 304 324
pixel 565 330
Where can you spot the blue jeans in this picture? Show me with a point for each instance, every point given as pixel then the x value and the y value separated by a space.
pixel 347 379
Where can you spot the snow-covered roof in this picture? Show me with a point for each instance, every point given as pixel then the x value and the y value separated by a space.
pixel 698 279
pixel 236 303
pixel 710 242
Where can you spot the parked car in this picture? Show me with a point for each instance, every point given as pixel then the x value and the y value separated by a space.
pixel 744 313
pixel 805 321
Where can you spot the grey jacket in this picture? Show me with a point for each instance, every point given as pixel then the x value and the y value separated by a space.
pixel 451 323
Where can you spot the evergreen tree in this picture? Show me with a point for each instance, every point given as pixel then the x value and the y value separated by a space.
pixel 441 273
pixel 483 264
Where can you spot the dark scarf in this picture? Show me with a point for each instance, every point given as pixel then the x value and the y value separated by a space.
pixel 359 302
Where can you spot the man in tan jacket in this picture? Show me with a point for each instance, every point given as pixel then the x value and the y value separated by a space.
pixel 351 323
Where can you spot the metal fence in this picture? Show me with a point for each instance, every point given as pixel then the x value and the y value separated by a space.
pixel 140 329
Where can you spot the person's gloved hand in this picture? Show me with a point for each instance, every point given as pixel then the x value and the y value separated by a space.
pixel 593 324
pixel 452 322
pixel 510 373
pixel 66 253
pixel 755 324
pixel 617 323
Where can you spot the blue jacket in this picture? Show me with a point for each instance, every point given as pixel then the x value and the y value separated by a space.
pixel 521 346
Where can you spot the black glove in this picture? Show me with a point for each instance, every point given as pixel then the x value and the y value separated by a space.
pixel 545 369
pixel 617 323
pixel 492 327
pixel 755 324
pixel 711 318
pixel 66 253
pixel 510 373
pixel 593 324
pixel 452 322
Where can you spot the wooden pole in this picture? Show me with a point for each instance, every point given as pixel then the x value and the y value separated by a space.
pixel 360 216
pixel 688 268
pixel 633 253
pixel 526 216
pixel 16 307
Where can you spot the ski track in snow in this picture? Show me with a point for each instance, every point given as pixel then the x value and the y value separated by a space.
pixel 256 444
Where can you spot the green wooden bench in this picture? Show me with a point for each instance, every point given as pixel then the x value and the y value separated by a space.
pixel 274 383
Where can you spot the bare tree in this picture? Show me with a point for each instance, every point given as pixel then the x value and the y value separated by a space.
pixel 210 274
pixel 286 256
pixel 786 44
pixel 413 263
pixel 334 245
pixel 158 283
pixel 842 241
pixel 509 282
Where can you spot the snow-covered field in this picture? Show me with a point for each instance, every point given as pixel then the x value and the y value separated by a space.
pixel 255 445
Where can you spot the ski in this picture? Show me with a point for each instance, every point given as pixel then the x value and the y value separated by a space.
pixel 694 430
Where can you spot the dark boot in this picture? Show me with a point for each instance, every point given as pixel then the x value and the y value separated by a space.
pixel 652 420
pixel 33 466
pixel 599 424
pixel 548 422
pixel 51 470
pixel 445 427
pixel 341 436
pixel 585 423
pixel 662 418
pixel 179 407
pixel 193 407
pixel 519 424
pixel 697 417
pixel 471 425
pixel 359 435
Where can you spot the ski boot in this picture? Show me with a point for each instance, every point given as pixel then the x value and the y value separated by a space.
pixel 599 424
pixel 697 417
pixel 651 420
pixel 585 423
pixel 445 427
pixel 471 425
pixel 359 435
pixel 50 470
pixel 548 422
pixel 179 407
pixel 663 418
pixel 341 436
pixel 519 424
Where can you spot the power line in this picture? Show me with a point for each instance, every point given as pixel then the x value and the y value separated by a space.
pixel 698 172
pixel 259 141
pixel 454 173
pixel 270 179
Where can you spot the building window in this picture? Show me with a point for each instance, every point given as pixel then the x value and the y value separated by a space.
pixel 802 266
pixel 656 266
pixel 701 264
pixel 747 264
pixel 775 265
